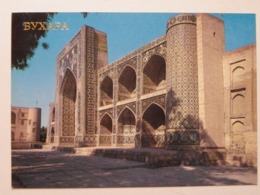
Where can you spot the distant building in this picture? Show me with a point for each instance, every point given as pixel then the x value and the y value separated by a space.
pixel 51 124
pixel 180 91
pixel 25 124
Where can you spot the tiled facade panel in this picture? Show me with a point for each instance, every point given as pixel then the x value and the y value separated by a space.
pixel 68 105
pixel 182 106
pixel 179 91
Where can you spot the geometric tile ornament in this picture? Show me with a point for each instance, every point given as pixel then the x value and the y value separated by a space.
pixel 68 104
pixel 182 109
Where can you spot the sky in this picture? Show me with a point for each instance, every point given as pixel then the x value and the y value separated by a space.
pixel 126 32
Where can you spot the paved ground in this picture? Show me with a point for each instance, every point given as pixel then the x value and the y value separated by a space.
pixel 53 169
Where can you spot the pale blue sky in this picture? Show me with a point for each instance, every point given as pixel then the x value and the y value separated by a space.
pixel 126 32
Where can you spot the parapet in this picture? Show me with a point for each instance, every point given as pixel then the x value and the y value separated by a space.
pixel 181 19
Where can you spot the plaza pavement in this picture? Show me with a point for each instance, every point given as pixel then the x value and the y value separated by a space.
pixel 41 168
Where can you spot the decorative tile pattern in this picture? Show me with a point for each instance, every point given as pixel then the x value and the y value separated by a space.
pixel 182 107
pixel 91 80
pixel 182 73
pixel 124 139
pixel 160 100
pixel 91 140
pixel 131 106
pixel 68 105
pixel 126 127
pixel 66 140
pixel 132 63
pixel 107 111
pixel 158 50
pixel 238 143
pixel 183 138
pixel 105 140
pixel 78 111
pixel 67 61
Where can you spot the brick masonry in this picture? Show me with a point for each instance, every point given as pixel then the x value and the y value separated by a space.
pixel 166 94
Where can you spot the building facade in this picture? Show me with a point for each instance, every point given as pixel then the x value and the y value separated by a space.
pixel 180 91
pixel 25 124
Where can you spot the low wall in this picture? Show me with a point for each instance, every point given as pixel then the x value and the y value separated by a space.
pixel 26 145
pixel 161 157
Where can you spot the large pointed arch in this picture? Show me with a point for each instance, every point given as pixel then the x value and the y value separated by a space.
pixel 52 135
pixel 106 124
pixel 68 93
pixel 106 127
pixel 127 83
pixel 154 74
pixel 153 126
pixel 126 128
pixel 106 91
pixel 126 121
pixel 53 115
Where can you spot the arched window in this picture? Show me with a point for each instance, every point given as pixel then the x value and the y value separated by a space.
pixel 153 126
pixel 237 73
pixel 126 122
pixel 68 104
pixel 13 117
pixel 238 105
pixel 127 84
pixel 237 126
pixel 105 137
pixel 106 91
pixel 106 125
pixel 126 127
pixel 154 74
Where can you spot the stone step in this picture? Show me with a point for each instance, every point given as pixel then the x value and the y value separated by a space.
pixel 49 147
pixel 162 157
pixel 26 145
pixel 240 161
pixel 84 151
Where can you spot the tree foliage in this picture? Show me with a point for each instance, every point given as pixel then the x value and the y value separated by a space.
pixel 43 134
pixel 24 42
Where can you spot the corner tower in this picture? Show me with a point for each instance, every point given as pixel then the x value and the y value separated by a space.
pixel 182 105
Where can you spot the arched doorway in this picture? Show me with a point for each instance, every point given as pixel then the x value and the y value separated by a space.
pixel 106 91
pixel 52 135
pixel 127 84
pixel 68 104
pixel 105 138
pixel 126 128
pixel 53 115
pixel 154 74
pixel 13 117
pixel 153 127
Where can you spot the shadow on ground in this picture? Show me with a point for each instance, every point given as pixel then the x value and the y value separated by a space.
pixel 53 169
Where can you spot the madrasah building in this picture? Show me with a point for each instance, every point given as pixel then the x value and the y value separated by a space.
pixel 182 90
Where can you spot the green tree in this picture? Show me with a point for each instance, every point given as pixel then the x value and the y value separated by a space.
pixel 24 42
pixel 43 134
